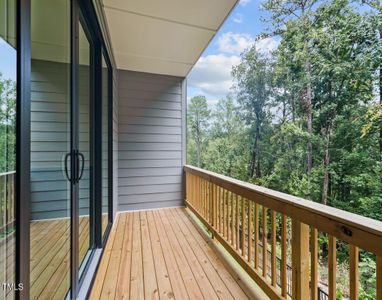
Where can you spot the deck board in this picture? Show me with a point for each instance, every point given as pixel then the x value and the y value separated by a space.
pixel 50 257
pixel 161 255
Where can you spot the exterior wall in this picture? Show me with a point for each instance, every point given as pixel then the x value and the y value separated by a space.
pixel 50 139
pixel 151 140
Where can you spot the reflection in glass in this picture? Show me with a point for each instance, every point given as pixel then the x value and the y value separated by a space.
pixel 84 147
pixel 7 148
pixel 50 145
pixel 105 145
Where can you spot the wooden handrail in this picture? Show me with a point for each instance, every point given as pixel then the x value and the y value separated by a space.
pixel 224 205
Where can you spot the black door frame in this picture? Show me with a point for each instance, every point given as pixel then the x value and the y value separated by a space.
pixel 23 139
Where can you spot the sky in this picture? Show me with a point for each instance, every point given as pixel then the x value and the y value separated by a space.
pixel 211 75
pixel 7 60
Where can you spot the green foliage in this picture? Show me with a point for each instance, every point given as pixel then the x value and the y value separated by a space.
pixel 7 124
pixel 320 89
pixel 197 120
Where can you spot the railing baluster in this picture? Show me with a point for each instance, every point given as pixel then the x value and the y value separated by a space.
pixel 353 269
pixel 204 199
pixel 2 205
pixel 283 267
pixel 224 213
pixel 194 192
pixel 216 205
pixel 219 208
pixel 273 245
pixel 300 261
pixel 249 231
pixel 379 277
pixel 232 219
pixel 197 181
pixel 264 241
pixel 208 202
pixel 243 226
pixel 237 223
pixel 227 219
pixel 234 222
pixel 332 265
pixel 256 238
pixel 313 263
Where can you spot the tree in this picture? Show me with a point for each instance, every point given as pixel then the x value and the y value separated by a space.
pixel 227 149
pixel 343 61
pixel 295 15
pixel 253 79
pixel 7 124
pixel 197 117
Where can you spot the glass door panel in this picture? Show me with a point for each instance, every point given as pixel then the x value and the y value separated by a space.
pixel 85 154
pixel 51 153
pixel 8 68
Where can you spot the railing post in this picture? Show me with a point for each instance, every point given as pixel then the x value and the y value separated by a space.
pixel 300 260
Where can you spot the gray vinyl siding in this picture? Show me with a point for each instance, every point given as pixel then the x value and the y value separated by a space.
pixel 150 140
pixel 50 139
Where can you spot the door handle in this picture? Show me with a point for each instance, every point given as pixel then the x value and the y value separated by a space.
pixel 67 155
pixel 82 166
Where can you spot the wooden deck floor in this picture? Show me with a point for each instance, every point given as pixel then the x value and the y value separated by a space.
pixel 50 258
pixel 160 254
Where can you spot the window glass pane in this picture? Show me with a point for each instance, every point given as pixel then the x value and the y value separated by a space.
pixel 84 148
pixel 8 71
pixel 50 146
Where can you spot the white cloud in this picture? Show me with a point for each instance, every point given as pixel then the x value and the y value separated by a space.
pixel 267 45
pixel 212 74
pixel 234 43
pixel 238 18
pixel 244 2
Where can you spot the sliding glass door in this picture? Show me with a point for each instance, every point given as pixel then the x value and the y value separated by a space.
pixel 52 155
pixel 68 130
pixel 85 151
pixel 8 68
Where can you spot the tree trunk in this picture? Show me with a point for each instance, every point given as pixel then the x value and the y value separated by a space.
pixel 309 118
pixel 326 162
pixel 255 160
pixel 258 170
pixel 198 141
pixel 198 151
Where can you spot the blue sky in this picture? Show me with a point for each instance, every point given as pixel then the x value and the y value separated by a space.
pixel 211 75
pixel 7 60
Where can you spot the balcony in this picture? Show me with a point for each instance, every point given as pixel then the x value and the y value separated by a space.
pixel 163 254
pixel 181 250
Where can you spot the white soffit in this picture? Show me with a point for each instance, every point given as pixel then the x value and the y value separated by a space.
pixel 163 36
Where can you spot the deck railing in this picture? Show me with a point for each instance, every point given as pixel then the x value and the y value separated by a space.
pixel 7 202
pixel 238 214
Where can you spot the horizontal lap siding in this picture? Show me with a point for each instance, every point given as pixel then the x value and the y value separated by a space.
pixel 150 140
pixel 50 140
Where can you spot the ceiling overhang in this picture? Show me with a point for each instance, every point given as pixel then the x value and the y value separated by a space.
pixel 163 36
